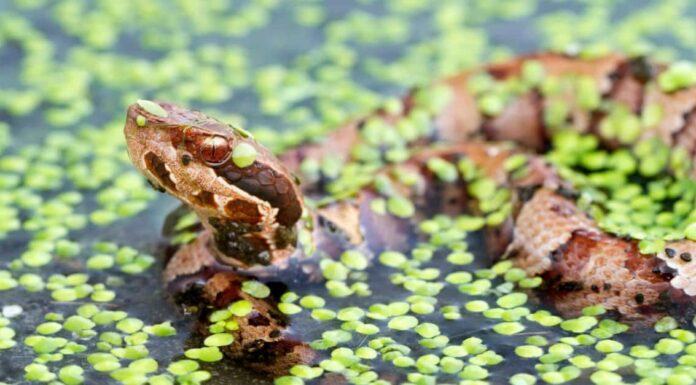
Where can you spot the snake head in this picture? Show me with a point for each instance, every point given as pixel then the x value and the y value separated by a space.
pixel 176 148
pixel 220 171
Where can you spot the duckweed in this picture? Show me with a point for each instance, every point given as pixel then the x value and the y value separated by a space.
pixel 665 324
pixel 49 328
pixel 679 75
pixel 669 346
pixel 152 108
pixel 244 155
pixel 288 308
pixel 182 367
pixel 256 289
pixel 222 339
pixel 164 329
pixel 77 324
pixel 403 323
pixel 354 260
pixel 400 207
pixel 608 346
pixel 522 379
pixel 392 259
pixel 579 325
pixel 312 302
pixel 241 308
pixel 71 375
pixel 129 325
pixel 528 351
pixel 512 300
pixel 508 328
pixel 308 96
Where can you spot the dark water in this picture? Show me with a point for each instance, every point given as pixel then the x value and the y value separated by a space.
pixel 281 41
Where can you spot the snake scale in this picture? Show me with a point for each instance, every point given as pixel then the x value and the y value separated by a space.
pixel 254 213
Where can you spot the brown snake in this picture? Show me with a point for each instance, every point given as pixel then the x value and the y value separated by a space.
pixel 252 214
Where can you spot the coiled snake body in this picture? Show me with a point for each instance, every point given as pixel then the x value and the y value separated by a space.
pixel 253 212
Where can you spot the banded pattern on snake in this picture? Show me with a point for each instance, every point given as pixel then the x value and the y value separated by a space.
pixel 256 222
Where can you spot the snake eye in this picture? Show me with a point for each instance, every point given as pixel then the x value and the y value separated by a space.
pixel 215 150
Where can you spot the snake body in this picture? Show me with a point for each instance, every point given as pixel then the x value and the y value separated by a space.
pixel 252 213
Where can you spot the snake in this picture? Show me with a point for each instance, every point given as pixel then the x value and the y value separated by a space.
pixel 264 215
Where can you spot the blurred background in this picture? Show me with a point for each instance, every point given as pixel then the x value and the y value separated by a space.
pixel 78 225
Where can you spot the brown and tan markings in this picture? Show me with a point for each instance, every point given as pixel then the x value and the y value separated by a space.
pixel 253 213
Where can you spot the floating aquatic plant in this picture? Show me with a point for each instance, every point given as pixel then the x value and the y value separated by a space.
pixel 68 196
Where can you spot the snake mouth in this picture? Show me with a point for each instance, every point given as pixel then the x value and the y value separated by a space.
pixel 158 170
